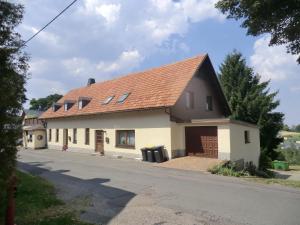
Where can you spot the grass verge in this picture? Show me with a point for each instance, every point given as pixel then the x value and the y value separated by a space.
pixel 37 204
pixel 289 183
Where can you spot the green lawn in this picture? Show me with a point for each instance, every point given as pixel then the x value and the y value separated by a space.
pixel 37 204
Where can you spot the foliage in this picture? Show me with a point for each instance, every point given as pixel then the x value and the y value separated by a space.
pixel 42 104
pixel 35 196
pixel 250 100
pixel 279 18
pixel 286 127
pixel 13 75
pixel 296 128
pixel 228 169
pixel 291 155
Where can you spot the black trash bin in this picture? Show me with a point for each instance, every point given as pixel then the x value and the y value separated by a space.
pixel 144 154
pixel 150 155
pixel 158 153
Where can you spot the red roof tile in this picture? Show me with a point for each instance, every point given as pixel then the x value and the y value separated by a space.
pixel 154 88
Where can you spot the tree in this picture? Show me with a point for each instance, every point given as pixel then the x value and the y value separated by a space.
pixel 43 104
pixel 297 128
pixel 286 127
pixel 250 100
pixel 13 75
pixel 278 17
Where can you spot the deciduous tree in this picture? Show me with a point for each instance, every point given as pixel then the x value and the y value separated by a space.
pixel 13 75
pixel 280 18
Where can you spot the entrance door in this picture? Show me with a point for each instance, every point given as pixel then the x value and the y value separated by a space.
pixel 202 141
pixel 66 137
pixel 99 141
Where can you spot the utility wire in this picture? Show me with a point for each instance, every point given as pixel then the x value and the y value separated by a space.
pixel 58 15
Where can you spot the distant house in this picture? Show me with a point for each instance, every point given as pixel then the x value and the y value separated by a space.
pixel 180 106
pixel 34 132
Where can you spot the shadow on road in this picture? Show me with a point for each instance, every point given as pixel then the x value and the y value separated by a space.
pixel 97 203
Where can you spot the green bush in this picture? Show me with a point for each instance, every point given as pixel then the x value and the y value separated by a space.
pixel 228 169
pixel 291 155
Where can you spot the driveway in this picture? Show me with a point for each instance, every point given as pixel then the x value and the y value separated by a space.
pixel 121 191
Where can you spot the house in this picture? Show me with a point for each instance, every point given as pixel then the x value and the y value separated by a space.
pixel 34 132
pixel 180 106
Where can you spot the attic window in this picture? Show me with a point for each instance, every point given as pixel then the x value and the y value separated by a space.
pixel 56 106
pixel 68 105
pixel 108 100
pixel 123 98
pixel 83 101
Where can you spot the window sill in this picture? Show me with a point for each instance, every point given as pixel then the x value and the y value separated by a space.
pixel 125 146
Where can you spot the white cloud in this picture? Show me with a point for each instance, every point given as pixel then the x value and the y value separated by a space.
pixel 126 62
pixel 110 12
pixel 273 62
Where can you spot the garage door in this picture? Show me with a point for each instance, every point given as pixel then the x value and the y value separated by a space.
pixel 202 141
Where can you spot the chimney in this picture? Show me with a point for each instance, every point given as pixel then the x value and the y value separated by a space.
pixel 90 81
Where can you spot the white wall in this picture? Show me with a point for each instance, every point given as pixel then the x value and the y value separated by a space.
pixel 240 149
pixel 152 128
pixel 35 143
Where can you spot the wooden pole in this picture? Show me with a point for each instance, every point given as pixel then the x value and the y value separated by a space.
pixel 11 205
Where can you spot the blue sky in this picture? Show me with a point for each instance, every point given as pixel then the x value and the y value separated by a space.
pixel 105 39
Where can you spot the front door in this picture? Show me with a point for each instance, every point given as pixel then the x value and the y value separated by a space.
pixel 202 141
pixel 99 141
pixel 66 136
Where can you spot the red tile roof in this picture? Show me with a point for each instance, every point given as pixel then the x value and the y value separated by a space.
pixel 154 88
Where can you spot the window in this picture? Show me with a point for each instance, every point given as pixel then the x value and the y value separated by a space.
pixel 209 103
pixel 87 136
pixel 247 136
pixel 108 100
pixel 66 107
pixel 123 98
pixel 75 135
pixel 125 138
pixel 56 106
pixel 30 138
pixel 50 134
pixel 189 99
pixel 57 135
pixel 83 101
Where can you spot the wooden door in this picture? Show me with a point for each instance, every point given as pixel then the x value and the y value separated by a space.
pixel 65 137
pixel 99 141
pixel 202 141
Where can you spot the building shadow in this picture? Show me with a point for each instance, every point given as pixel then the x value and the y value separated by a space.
pixel 96 202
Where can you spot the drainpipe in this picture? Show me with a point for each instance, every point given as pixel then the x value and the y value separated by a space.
pixel 11 205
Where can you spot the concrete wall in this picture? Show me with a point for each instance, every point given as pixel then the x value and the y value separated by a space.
pixel 201 87
pixel 240 149
pixel 152 128
pixel 35 142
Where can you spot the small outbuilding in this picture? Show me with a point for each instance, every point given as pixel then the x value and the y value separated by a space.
pixel 34 132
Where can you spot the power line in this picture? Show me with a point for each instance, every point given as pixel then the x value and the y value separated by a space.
pixel 58 15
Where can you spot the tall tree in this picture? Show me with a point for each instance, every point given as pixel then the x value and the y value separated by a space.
pixel 13 75
pixel 43 104
pixel 280 18
pixel 250 100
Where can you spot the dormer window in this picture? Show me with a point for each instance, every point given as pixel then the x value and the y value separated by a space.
pixel 108 100
pixel 68 104
pixel 56 106
pixel 83 101
pixel 123 97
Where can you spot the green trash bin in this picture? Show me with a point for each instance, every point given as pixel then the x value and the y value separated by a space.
pixel 280 165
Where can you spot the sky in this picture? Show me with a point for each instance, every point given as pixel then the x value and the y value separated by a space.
pixel 104 39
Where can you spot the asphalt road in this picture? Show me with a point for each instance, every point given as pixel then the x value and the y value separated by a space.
pixel 123 191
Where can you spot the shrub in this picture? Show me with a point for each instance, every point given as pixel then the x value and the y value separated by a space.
pixel 291 155
pixel 228 169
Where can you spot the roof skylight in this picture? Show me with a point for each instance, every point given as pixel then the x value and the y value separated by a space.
pixel 108 99
pixel 123 97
